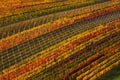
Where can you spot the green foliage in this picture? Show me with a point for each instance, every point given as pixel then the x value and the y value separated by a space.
pixel 114 74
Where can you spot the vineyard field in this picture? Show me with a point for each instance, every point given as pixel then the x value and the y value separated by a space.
pixel 60 40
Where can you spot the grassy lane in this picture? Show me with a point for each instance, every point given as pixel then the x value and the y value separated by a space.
pixel 113 74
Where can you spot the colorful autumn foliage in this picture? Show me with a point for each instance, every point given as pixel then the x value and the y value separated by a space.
pixel 42 29
pixel 72 45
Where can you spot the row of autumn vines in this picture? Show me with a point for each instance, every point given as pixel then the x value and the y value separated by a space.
pixel 11 41
pixel 9 30
pixel 71 67
pixel 34 14
pixel 56 55
pixel 20 8
pixel 61 46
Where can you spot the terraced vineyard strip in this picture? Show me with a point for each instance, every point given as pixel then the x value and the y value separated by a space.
pixel 23 25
